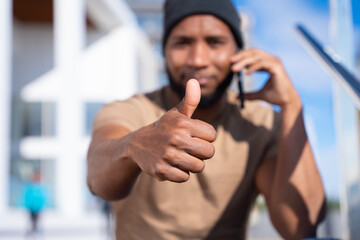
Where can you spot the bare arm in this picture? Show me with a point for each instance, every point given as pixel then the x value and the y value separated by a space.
pixel 168 149
pixel 111 172
pixel 290 183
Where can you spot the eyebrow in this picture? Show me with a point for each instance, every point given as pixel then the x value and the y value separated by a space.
pixel 181 37
pixel 185 37
pixel 218 37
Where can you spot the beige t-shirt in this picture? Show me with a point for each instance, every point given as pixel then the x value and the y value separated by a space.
pixel 214 204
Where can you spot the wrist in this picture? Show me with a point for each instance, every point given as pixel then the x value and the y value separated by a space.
pixel 134 148
pixel 130 150
pixel 292 107
pixel 291 113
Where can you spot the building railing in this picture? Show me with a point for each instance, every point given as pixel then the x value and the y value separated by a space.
pixel 332 63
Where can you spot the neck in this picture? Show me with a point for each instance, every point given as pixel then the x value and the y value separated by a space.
pixel 209 115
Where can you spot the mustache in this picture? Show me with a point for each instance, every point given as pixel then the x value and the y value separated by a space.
pixel 188 76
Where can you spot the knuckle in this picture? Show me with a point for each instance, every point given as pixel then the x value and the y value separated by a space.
pixel 168 153
pixel 277 60
pixel 257 52
pixel 175 139
pixel 197 121
pixel 181 122
pixel 278 68
pixel 160 172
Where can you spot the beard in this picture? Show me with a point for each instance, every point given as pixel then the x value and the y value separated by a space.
pixel 207 100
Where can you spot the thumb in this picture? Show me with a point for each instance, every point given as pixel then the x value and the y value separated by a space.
pixel 191 100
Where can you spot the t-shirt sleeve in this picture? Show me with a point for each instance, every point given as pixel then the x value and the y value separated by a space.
pixel 272 148
pixel 126 113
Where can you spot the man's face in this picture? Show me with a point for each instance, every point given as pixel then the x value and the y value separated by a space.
pixel 200 47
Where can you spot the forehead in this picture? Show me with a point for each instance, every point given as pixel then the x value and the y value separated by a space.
pixel 201 24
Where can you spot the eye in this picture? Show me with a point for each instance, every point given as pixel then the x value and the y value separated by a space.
pixel 181 43
pixel 215 42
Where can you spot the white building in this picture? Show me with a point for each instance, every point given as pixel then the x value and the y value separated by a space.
pixel 69 58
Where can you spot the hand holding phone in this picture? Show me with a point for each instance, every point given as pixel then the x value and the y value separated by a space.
pixel 278 90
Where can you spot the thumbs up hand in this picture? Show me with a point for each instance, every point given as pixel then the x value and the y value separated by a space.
pixel 191 100
pixel 175 145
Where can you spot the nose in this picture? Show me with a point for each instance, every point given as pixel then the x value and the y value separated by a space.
pixel 199 56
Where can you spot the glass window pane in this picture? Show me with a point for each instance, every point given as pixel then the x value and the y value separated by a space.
pixel 32 119
pixel 39 119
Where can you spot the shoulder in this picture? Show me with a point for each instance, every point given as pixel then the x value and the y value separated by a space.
pixel 131 113
pixel 138 101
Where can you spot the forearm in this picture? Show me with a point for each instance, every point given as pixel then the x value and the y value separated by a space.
pixel 297 194
pixel 111 171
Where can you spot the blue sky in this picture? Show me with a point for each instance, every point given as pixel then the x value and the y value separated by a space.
pixel 273 30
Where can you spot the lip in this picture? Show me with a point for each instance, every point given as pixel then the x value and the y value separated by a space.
pixel 203 80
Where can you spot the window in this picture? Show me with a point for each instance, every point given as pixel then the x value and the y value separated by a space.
pixel 39 119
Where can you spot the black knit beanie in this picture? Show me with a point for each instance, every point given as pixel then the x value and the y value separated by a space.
pixel 176 10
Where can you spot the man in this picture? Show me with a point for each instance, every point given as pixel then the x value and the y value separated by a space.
pixel 185 162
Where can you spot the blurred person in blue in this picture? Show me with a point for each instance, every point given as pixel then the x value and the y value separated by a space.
pixel 35 200
pixel 187 161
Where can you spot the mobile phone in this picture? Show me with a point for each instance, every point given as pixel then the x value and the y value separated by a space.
pixel 241 89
